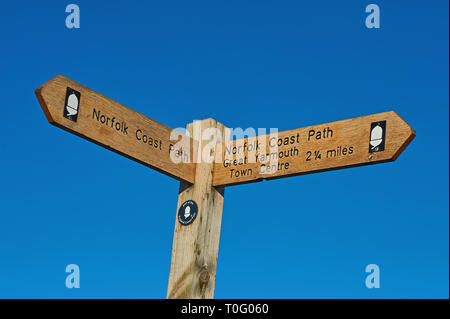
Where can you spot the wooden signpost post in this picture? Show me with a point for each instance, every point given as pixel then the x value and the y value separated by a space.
pixel 359 141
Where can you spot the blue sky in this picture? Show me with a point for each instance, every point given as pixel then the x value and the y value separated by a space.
pixel 284 64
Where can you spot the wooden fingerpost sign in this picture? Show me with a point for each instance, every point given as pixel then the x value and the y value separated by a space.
pixel 205 160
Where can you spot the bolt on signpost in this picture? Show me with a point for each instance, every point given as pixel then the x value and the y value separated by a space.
pixel 366 140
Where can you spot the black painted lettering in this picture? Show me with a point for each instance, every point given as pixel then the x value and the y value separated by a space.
pixel 94 113
pixel 331 153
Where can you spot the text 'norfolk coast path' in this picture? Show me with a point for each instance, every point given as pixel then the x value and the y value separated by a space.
pixel 358 141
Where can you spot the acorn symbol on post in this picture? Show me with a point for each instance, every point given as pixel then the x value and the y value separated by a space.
pixel 187 212
pixel 71 104
pixel 377 136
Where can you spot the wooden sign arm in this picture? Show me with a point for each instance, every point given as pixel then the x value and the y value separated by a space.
pixel 116 127
pixel 313 149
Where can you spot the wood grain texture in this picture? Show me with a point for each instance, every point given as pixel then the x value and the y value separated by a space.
pixel 316 148
pixel 196 246
pixel 116 127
